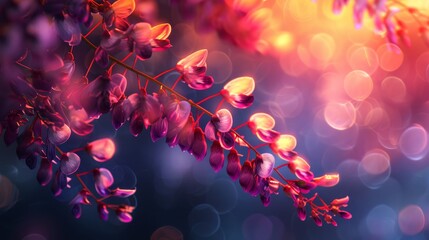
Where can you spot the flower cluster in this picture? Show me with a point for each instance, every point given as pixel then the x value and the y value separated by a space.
pixel 50 101
pixel 384 14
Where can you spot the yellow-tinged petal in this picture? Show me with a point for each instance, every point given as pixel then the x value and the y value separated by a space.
pixel 262 121
pixel 285 142
pixel 240 85
pixel 327 180
pixel 196 59
pixel 161 31
pixel 299 163
pixel 123 8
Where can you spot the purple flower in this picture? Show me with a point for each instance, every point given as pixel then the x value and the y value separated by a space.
pixel 103 179
pixel 238 92
pixel 217 157
pixel 147 112
pixel 102 149
pixel 265 165
pixel 103 212
pixel 193 69
pixel 44 175
pixel 70 163
pixel 199 145
pixel 99 95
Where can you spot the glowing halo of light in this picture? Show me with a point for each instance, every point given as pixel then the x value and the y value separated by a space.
pixel 381 222
pixel 411 220
pixel 394 89
pixel 364 58
pixel 391 57
pixel 374 169
pixel 322 47
pixel 358 85
pixel 340 115
pixel 413 142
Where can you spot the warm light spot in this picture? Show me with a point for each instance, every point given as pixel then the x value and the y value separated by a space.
pixel 364 58
pixel 391 57
pixel 394 89
pixel 283 42
pixel 411 220
pixel 322 47
pixel 339 115
pixel 299 11
pixel 241 85
pixel 358 85
pixel 101 149
pixel 262 121
pixel 376 162
pixel 161 31
pixel 285 142
pixel 413 142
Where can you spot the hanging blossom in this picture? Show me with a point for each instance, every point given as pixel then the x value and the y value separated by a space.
pixel 50 106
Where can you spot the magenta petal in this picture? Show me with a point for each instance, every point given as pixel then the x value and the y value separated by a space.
pixel 210 131
pixel 152 110
pixel 124 216
pixel 265 200
pixel 268 136
pixel 199 82
pixel 288 155
pixel 59 183
pixel 216 156
pixel 123 193
pixel 241 101
pixel 227 140
pixel 80 122
pixel 304 175
pixel 136 124
pixel 199 146
pixel 159 129
pixel 340 201
pixel 44 175
pixel 306 186
pixel 70 163
pixel 345 214
pixel 233 167
pixel 301 213
pixel 317 220
pixel 178 113
pixel 247 179
pixel 103 212
pixel 186 135
pixel 103 179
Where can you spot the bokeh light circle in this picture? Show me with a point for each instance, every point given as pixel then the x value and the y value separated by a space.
pixel 394 89
pixel 358 85
pixel 391 57
pixel 257 227
pixel 322 47
pixel 222 196
pixel 340 115
pixel 220 66
pixel 167 233
pixel 204 220
pixel 411 220
pixel 8 193
pixel 374 169
pixel 364 58
pixel 413 142
pixel 381 222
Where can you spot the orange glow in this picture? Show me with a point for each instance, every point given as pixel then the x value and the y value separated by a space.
pixel 161 31
pixel 262 121
pixel 327 180
pixel 285 142
pixel 102 149
pixel 358 85
pixel 240 85
pixel 283 42
pixel 123 8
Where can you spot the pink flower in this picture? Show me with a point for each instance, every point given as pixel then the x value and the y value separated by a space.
pixel 265 166
pixel 233 167
pixel 217 157
pixel 193 69
pixel 103 179
pixel 327 180
pixel 238 92
pixel 101 150
pixel 283 145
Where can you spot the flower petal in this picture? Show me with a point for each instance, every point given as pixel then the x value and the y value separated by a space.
pixel 103 212
pixel 240 101
pixel 327 180
pixel 227 140
pixel 233 167
pixel 198 82
pixel 284 142
pixel 161 31
pixel 123 193
pixel 262 121
pixel 265 167
pixel 195 59
pixel 240 86
pixel 70 163
pixel 159 129
pixel 59 135
pixel 199 146
pixel 123 8
pixel 267 136
pixel 101 150
pixel 247 179
pixel 217 157
pixel 340 201
pixel 103 179
pixel 124 216
pixel 223 120
pixel 44 175
pixel 186 135
pixel 210 131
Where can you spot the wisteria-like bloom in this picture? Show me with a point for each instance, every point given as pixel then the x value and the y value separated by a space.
pixel 238 92
pixel 102 149
pixel 193 69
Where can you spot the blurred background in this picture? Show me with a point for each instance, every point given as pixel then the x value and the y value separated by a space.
pixel 357 105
